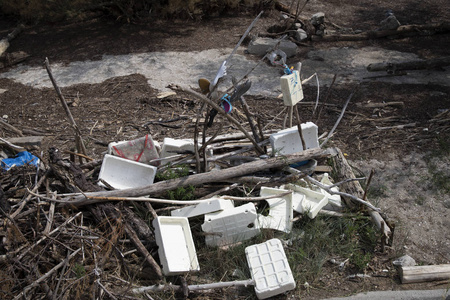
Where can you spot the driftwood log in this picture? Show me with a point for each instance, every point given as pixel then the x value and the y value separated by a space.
pixel 4 43
pixel 198 179
pixel 344 171
pixel 402 31
pixel 424 273
pixel 391 68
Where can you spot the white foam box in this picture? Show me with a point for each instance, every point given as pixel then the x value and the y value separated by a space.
pixel 306 200
pixel 288 141
pixel 291 87
pixel 280 212
pixel 212 205
pixel 122 173
pixel 269 268
pixel 334 201
pixel 142 149
pixel 231 225
pixel 171 147
pixel 176 246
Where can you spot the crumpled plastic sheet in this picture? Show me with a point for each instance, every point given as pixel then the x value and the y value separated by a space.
pixel 21 159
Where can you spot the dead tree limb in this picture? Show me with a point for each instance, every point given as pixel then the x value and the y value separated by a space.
pixel 46 275
pixel 141 248
pixel 402 31
pixel 344 171
pixel 4 43
pixel 198 179
pixel 410 65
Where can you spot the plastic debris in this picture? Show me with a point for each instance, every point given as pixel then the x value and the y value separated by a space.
pixel 21 159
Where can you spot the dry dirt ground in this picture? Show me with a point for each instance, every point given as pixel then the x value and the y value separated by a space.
pixel 411 164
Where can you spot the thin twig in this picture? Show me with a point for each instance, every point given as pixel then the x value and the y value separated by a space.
pixel 221 111
pixel 328 189
pixel 45 276
pixel 339 119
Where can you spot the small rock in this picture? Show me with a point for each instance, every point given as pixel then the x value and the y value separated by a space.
pixel 318 18
pixel 297 26
pixel 404 261
pixel 260 46
pixel 2 91
pixel 390 23
pixel 300 35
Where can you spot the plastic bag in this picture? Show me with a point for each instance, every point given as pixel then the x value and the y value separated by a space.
pixel 21 159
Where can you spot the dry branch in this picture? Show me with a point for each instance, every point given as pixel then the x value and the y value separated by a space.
pixel 141 248
pixel 46 275
pixel 344 171
pixel 410 65
pixel 221 111
pixel 198 179
pixel 78 139
pixel 402 31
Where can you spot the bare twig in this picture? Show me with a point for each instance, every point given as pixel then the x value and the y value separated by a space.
pixel 339 119
pixel 46 275
pixel 221 111
pixel 78 139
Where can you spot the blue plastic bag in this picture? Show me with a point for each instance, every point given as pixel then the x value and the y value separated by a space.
pixel 22 158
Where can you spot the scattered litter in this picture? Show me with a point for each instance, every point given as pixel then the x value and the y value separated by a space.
pixel 176 247
pixel 404 261
pixel 280 210
pixel 307 201
pixel 122 173
pixel 214 205
pixel 287 141
pixel 21 159
pixel 231 226
pixel 269 268
pixel 143 149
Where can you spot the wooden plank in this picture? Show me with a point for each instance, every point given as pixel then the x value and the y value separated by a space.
pixel 424 273
pixel 26 140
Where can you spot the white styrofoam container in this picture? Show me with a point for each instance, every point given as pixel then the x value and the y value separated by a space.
pixel 280 212
pixel 269 268
pixel 213 205
pixel 288 141
pixel 334 201
pixel 142 149
pixel 172 146
pixel 291 87
pixel 122 173
pixel 306 200
pixel 231 225
pixel 176 246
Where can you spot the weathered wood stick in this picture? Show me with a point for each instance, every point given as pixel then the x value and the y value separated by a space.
pixel 46 275
pixel 78 139
pixel 198 179
pixel 344 171
pixel 424 273
pixel 401 31
pixel 196 287
pixel 141 248
pixel 410 65
pixel 249 118
pixel 10 127
pixel 4 43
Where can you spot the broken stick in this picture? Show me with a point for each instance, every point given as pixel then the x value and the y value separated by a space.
pixel 198 179
pixel 78 139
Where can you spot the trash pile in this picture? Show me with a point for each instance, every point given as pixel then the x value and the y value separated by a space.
pixel 65 235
